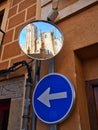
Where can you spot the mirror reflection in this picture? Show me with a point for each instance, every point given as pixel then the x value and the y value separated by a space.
pixel 40 40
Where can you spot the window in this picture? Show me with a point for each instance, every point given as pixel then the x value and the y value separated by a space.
pixel 45 35
pixel 4 113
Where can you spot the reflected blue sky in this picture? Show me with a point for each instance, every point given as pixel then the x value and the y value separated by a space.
pixel 22 37
pixel 47 27
pixel 41 27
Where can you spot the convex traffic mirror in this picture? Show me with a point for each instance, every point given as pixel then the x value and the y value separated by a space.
pixel 41 40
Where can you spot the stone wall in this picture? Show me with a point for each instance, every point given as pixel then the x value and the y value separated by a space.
pixel 13 89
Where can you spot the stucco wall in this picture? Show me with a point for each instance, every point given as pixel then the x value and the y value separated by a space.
pixel 80 30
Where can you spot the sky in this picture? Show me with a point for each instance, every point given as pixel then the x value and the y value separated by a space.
pixel 42 27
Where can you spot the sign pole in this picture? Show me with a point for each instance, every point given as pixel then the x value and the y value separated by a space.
pixel 51 70
pixel 51 66
pixel 53 127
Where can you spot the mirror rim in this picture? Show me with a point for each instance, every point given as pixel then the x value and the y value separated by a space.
pixel 44 21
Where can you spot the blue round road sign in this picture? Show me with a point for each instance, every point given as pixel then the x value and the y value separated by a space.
pixel 53 98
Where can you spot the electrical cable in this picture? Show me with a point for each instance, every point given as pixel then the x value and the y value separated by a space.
pixel 14 67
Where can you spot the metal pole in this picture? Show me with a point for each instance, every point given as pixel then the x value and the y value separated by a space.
pixel 51 66
pixel 51 70
pixel 27 99
pixel 53 127
pixel 37 77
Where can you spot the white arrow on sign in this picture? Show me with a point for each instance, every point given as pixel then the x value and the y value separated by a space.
pixel 45 97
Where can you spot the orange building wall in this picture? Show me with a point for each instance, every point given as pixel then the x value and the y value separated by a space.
pixel 79 30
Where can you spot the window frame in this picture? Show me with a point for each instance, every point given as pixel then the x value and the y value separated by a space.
pixel 4 6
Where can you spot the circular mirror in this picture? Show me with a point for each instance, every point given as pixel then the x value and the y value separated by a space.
pixel 40 40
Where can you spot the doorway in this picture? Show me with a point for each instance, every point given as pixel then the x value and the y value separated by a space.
pixel 4 113
pixel 92 100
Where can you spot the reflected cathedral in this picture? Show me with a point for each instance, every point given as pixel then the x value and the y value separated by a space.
pixel 41 44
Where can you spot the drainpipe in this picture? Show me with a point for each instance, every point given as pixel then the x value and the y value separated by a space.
pixel 27 98
pixel 37 77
